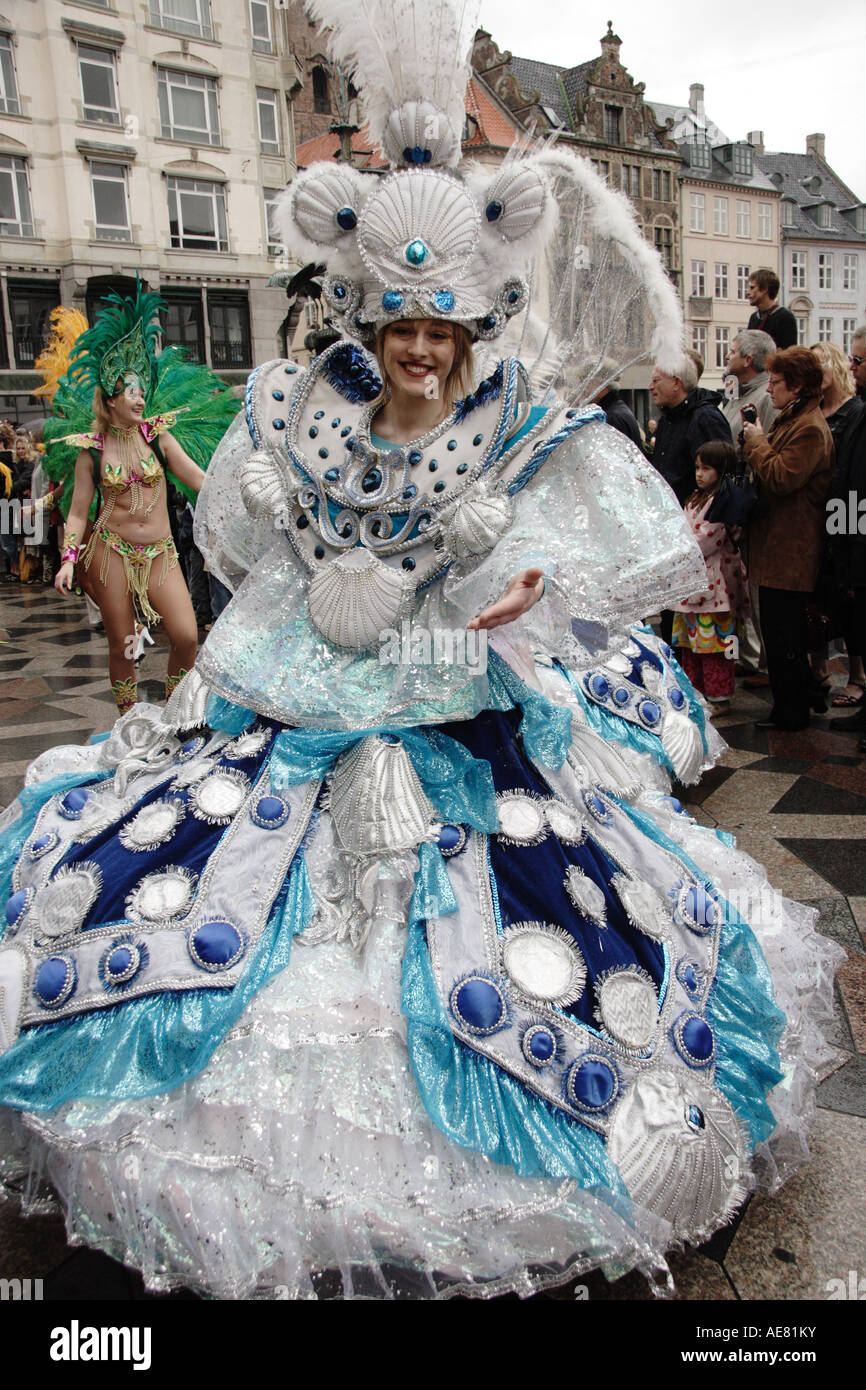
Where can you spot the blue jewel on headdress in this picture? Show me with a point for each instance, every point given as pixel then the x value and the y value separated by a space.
pixel 417 154
pixel 290 371
pixel 408 563
pixel 346 219
pixel 514 296
pixel 339 292
pixel 489 322
pixel 493 211
pixel 416 252
pixel 444 300
pixel 391 300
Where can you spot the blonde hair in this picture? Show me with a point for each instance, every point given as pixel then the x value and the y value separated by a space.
pixel 840 370
pixel 460 378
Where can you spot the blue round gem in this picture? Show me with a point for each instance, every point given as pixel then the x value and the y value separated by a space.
pixel 416 252
pixel 700 909
pixel 462 467
pixel 314 430
pixel 216 945
pixel 592 1084
pixel 493 211
pixel 676 697
pixel 478 439
pixel 488 322
pixel 119 961
pixel 350 442
pixel 40 843
pixel 696 1039
pixel 407 153
pixel 600 687
pixel 596 805
pixel 649 711
pixel 332 475
pixel 479 1006
pixel 371 480
pixel 542 1045
pixel 391 739
pixel 55 981
pixel 302 522
pixel 347 430
pixel 621 695
pixel 323 453
pixel 695 1117
pixel 270 810
pixel 319 415
pixel 391 301
pixel 335 422
pixel 408 563
pixel 439 487
pixel 451 445
pixel 409 492
pixel 689 977
pixel 279 424
pixel 74 800
pixel 449 837
pixel 346 219
pixel 339 291
pixel 415 456
pixel 514 296
pixel 444 300
pixel 319 552
pixel 433 465
pixel 290 370
pixel 278 395
pixel 15 906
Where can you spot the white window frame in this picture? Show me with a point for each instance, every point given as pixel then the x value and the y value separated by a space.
pixel 720 280
pixel 202 188
pixel 169 80
pixel 765 222
pixel 825 330
pixel 697 212
pixel 261 10
pixel 850 269
pixel 720 216
pixel 743 273
pixel 699 279
pixel 825 270
pixel 19 177
pixel 119 174
pixel 198 28
pixel 744 217
pixel 802 322
pixel 799 263
pixel 275 249
pixel 849 327
pixel 267 99
pixel 788 213
pixel 723 345
pixel 86 53
pixel 10 103
pixel 699 339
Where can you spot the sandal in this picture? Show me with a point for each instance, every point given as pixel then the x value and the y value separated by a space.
pixel 844 700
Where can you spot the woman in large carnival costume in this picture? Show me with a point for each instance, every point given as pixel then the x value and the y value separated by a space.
pixel 363 971
pixel 132 412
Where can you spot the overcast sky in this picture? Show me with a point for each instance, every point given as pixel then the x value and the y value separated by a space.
pixel 787 67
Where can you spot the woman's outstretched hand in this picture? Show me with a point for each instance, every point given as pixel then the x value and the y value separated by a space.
pixel 523 592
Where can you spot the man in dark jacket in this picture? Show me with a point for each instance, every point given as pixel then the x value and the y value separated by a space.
pixel 619 415
pixel 688 417
pixel 769 316
pixel 846 514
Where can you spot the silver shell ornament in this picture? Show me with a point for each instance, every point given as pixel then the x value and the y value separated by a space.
pixel 377 803
pixel 355 597
pixel 477 524
pixel 263 491
pixel 419 125
pixel 431 212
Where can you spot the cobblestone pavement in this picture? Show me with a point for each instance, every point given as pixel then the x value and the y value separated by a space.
pixel 796 802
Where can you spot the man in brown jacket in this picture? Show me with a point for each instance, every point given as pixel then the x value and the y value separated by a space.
pixel 793 466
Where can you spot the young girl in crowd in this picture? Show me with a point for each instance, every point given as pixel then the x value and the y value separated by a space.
pixel 705 625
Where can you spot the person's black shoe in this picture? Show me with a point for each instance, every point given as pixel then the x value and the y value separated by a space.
pixel 851 724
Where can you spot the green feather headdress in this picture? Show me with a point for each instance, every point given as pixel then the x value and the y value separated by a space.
pixel 122 342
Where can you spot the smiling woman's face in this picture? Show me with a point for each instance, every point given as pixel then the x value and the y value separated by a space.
pixel 418 355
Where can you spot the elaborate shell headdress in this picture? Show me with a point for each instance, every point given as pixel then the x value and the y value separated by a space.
pixel 469 245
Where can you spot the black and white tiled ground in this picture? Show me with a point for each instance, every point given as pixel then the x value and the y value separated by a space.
pixel 795 802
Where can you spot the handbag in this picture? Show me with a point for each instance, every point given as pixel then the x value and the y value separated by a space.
pixel 734 502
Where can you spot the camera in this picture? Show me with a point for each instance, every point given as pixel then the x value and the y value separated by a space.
pixel 749 414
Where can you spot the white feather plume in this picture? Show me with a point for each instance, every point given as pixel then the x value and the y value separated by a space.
pixel 400 50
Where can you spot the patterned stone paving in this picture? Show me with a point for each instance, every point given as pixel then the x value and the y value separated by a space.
pixel 793 801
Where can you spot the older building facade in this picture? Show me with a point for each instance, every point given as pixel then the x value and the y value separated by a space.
pixel 730 226
pixel 143 138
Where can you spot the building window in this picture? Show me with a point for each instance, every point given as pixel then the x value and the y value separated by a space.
pixel 825 270
pixel 661 186
pixel 743 273
pixel 825 330
pixel 190 17
pixel 802 321
pixel 613 125
pixel 720 216
pixel 721 280
pixel 197 215
pixel 229 319
pixel 789 212
pixel 699 278
pixel 260 25
pixel 848 327
pixel 269 120
pixel 699 154
pixel 183 321
pixel 765 222
pixel 275 247
pixel 723 346
pixel 744 217
pixel 663 238
pixel 699 339
pixel 798 270
pixel 849 270
pixel 825 215
pixel 631 180
pixel 321 95
pixel 742 159
pixel 860 219
pixel 602 168
pixel 9 102
pixel 110 201
pixel 29 307
pixel 16 217
pixel 188 107
pixel 98 85
pixel 697 212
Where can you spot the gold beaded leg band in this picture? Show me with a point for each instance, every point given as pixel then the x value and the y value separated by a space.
pixel 171 682
pixel 125 694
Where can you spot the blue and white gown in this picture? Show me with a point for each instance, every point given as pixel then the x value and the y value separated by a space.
pixel 379 967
